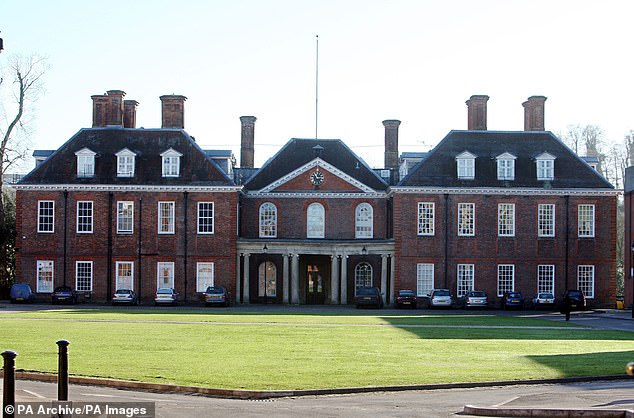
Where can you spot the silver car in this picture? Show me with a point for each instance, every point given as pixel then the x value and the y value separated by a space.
pixel 440 298
pixel 166 296
pixel 475 299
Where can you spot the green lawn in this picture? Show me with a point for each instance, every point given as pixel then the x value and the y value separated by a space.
pixel 299 351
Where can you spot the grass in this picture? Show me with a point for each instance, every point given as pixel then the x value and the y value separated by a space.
pixel 245 350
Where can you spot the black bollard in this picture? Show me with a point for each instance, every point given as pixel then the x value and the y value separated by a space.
pixel 8 387
pixel 62 371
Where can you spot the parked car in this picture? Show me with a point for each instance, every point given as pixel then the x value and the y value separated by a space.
pixel 512 300
pixel 406 298
pixel 64 294
pixel 368 296
pixel 543 300
pixel 475 299
pixel 440 298
pixel 575 298
pixel 21 292
pixel 124 296
pixel 166 296
pixel 217 295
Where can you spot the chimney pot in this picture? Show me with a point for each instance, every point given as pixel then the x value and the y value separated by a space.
pixel 477 112
pixel 247 148
pixel 129 113
pixel 534 113
pixel 107 109
pixel 173 111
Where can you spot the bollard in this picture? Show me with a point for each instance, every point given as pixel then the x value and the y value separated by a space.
pixel 8 387
pixel 62 371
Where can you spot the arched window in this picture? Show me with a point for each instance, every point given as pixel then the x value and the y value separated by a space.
pixel 363 221
pixel 268 220
pixel 267 279
pixel 362 276
pixel 315 223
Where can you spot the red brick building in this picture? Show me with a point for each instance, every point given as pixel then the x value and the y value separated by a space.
pixel 118 206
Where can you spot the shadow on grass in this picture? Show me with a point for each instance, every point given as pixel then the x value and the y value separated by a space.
pixel 587 364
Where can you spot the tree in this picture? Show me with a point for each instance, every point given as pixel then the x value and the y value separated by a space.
pixel 590 137
pixel 18 90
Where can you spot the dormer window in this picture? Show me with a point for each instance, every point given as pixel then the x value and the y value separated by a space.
pixel 465 163
pixel 171 163
pixel 506 166
pixel 545 166
pixel 85 163
pixel 125 163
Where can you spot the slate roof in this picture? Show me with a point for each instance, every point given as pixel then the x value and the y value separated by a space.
pixel 298 152
pixel 439 168
pixel 196 168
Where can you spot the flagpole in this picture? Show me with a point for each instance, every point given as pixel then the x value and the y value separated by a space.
pixel 316 84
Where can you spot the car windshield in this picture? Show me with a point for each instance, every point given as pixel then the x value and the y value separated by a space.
pixel 406 293
pixel 441 293
pixel 515 295
pixel 215 290
pixel 122 292
pixel 62 289
pixel 574 293
pixel 366 291
pixel 164 291
pixel 477 294
pixel 546 295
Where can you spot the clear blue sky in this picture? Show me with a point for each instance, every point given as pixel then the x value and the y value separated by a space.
pixel 413 60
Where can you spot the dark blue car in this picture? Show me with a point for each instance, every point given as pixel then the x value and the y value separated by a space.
pixel 513 300
pixel 21 292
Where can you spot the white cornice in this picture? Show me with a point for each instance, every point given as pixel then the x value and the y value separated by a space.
pixel 126 188
pixel 505 191
pixel 317 162
pixel 316 195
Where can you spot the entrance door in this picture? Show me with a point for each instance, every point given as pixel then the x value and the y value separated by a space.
pixel 315 292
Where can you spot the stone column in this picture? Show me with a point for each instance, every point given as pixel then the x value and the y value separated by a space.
pixel 384 277
pixel 285 279
pixel 344 279
pixel 245 293
pixel 392 290
pixel 295 279
pixel 334 280
pixel 238 279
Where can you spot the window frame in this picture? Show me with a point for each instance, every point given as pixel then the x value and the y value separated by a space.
pixel 80 284
pixel 586 227
pixel 43 219
pixel 426 218
pixel 424 276
pixel 84 222
pixel 205 222
pixel 119 277
pixel 506 167
pixel 126 160
pixel 85 159
pixel 465 279
pixel 465 166
pixel 164 266
pixel 546 278
pixel 40 265
pixel 202 285
pixel 364 222
pixel 545 167
pixel 506 219
pixel 267 215
pixel 123 217
pixel 363 275
pixel 170 163
pixel 586 279
pixel 545 220
pixel 170 216
pixel 315 220
pixel 469 219
pixel 506 276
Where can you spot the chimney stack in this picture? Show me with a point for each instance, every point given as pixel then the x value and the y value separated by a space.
pixel 247 149
pixel 129 113
pixel 477 113
pixel 534 113
pixel 173 111
pixel 391 146
pixel 107 109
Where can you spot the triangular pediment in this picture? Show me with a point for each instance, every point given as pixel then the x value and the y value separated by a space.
pixel 316 175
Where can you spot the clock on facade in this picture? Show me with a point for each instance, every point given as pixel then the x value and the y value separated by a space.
pixel 317 177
